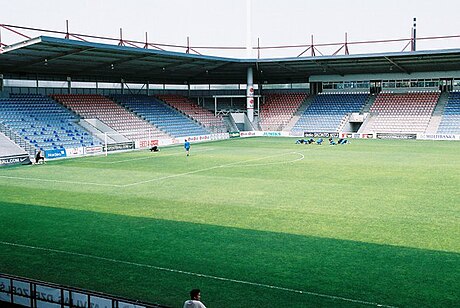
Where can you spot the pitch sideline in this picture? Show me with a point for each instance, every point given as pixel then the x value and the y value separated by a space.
pixel 262 285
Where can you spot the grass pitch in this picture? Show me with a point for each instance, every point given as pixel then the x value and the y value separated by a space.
pixel 259 222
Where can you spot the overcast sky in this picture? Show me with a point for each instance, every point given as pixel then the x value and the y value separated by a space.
pixel 223 22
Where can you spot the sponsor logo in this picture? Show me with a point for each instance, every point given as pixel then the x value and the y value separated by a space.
pixel 272 134
pixel 396 136
pixel 55 153
pixel 120 146
pixel 92 150
pixel 321 135
pixel 234 134
pixel 446 137
pixel 199 138
pixel 148 143
pixel 247 134
pixel 4 161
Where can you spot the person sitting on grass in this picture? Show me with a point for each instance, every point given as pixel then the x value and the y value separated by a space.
pixel 154 149
pixel 319 141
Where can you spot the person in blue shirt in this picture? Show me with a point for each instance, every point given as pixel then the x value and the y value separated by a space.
pixel 187 147
pixel 319 141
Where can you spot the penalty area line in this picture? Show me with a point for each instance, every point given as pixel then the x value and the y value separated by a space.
pixel 256 284
pixel 242 163
pixel 144 158
pixel 58 181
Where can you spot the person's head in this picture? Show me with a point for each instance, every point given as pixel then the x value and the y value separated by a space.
pixel 185 140
pixel 195 294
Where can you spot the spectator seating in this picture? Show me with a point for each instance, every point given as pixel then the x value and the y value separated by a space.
pixel 93 106
pixel 161 115
pixel 44 123
pixel 191 109
pixel 450 121
pixel 402 112
pixel 278 109
pixel 326 112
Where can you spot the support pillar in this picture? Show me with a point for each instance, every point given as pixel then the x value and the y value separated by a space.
pixel 1 83
pixel 122 86
pixel 147 88
pixel 69 85
pixel 250 95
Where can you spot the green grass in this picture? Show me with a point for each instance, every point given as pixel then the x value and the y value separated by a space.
pixel 376 221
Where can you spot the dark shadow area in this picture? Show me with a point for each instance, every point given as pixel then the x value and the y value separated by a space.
pixel 372 273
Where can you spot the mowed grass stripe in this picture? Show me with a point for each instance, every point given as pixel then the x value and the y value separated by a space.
pixel 336 222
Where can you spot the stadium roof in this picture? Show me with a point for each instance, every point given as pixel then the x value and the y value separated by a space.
pixel 57 58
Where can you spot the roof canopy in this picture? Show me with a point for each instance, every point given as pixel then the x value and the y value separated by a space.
pixel 56 58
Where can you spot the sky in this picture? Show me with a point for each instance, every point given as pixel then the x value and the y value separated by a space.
pixel 224 23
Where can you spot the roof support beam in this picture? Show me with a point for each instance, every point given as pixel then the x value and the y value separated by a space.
pixel 397 65
pixel 46 60
pixel 327 67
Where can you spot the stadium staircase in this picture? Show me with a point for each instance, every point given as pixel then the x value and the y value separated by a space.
pixel 278 110
pixel 18 139
pixel 450 121
pixel 98 128
pixel 161 115
pixel 327 111
pixel 93 106
pixel 189 108
pixel 299 112
pixel 369 103
pixel 365 111
pixel 230 123
pixel 37 122
pixel 9 148
pixel 438 111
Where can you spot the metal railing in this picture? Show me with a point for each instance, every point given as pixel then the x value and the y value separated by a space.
pixel 312 48
pixel 34 293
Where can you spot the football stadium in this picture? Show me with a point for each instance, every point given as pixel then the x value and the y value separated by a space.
pixel 132 172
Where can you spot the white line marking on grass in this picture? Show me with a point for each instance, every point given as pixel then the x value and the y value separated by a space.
pixel 242 163
pixel 333 297
pixel 146 157
pixel 277 163
pixel 59 181
pixel 214 167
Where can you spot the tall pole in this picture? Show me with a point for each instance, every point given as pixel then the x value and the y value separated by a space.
pixel 250 94
pixel 248 29
pixel 414 35
pixel 67 36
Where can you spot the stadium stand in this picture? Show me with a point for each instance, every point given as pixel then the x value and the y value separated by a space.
pixel 402 112
pixel 197 113
pixel 8 147
pixel 43 123
pixel 327 111
pixel 450 122
pixel 279 109
pixel 161 115
pixel 115 116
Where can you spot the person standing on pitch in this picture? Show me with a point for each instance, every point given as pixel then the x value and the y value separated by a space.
pixel 187 147
pixel 195 300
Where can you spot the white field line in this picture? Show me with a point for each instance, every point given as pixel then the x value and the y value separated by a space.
pixel 256 284
pixel 142 158
pixel 211 168
pixel 59 181
pixel 242 163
